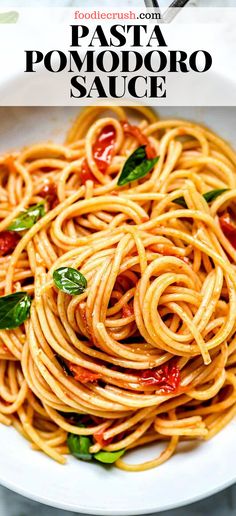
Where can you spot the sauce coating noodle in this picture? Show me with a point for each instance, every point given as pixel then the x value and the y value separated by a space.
pixel 150 344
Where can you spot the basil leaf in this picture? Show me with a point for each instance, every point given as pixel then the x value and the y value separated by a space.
pixel 136 166
pixel 79 446
pixel 9 17
pixel 69 280
pixel 27 218
pixel 208 196
pixel 213 194
pixel 108 457
pixel 64 365
pixel 180 201
pixel 14 310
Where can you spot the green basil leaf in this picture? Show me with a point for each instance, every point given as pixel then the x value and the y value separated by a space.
pixel 9 17
pixel 27 218
pixel 14 310
pixel 213 194
pixel 108 457
pixel 208 196
pixel 79 446
pixel 180 201
pixel 136 166
pixel 69 280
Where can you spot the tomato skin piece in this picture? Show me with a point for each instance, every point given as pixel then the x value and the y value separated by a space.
pixel 166 377
pixel 83 375
pixel 133 130
pixel 85 173
pixel 9 162
pixel 103 148
pixel 98 436
pixel 228 228
pixel 49 192
pixel 8 242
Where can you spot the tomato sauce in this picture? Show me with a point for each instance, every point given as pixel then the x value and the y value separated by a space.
pixel 103 150
pixel 9 162
pixel 98 436
pixel 127 310
pixel 49 192
pixel 228 228
pixel 133 130
pixel 8 242
pixel 85 173
pixel 83 375
pixel 167 378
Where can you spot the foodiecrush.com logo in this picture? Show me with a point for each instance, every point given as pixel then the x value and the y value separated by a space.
pixel 120 15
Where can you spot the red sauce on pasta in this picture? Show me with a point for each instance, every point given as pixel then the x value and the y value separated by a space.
pixel 83 375
pixel 8 242
pixel 167 377
pixel 228 228
pixel 142 139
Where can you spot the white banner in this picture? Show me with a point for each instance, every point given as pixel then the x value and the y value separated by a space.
pixel 69 56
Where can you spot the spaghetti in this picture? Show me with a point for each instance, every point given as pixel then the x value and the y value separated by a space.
pixel 146 351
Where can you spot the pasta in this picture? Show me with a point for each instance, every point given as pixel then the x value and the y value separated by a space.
pixel 122 244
